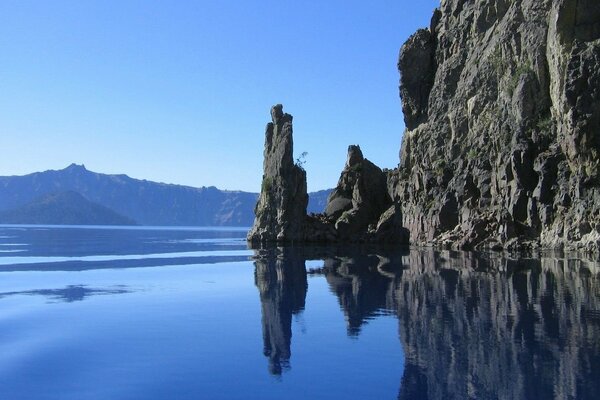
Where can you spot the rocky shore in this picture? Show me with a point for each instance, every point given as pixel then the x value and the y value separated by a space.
pixel 501 102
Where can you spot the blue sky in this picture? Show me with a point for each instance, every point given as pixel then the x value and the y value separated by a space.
pixel 180 91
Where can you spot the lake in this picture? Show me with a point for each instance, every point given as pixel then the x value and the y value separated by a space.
pixel 193 313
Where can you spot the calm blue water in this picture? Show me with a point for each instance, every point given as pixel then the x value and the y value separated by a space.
pixel 154 313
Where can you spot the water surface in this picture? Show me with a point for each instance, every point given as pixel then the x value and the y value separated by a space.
pixel 155 313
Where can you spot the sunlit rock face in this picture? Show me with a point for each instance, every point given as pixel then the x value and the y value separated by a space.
pixel 501 102
pixel 280 276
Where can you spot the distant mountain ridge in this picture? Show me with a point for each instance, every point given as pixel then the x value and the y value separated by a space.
pixel 63 208
pixel 143 201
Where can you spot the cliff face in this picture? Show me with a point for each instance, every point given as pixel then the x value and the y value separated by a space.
pixel 502 109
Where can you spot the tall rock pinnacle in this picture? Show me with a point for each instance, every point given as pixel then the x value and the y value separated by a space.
pixel 281 208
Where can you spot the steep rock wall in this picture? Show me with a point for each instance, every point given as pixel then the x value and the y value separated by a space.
pixel 502 110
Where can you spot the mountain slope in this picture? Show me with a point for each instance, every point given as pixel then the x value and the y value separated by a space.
pixel 146 202
pixel 63 208
pixel 317 201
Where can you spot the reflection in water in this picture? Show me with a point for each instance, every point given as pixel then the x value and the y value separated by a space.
pixel 520 329
pixel 362 291
pixel 281 280
pixel 482 327
pixel 70 293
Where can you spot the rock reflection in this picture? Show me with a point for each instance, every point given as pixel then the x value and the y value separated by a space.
pixel 472 326
pixel 362 291
pixel 498 328
pixel 280 276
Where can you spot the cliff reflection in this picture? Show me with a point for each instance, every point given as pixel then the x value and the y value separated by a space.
pixel 472 326
pixel 499 328
pixel 362 285
pixel 280 276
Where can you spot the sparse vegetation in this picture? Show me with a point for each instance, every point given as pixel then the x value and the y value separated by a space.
pixel 429 204
pixel 301 160
pixel 545 124
pixel 266 185
pixel 522 69
pixel 356 167
pixel 439 166
pixel 497 61
pixel 472 154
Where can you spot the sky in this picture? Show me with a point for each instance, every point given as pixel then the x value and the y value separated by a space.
pixel 180 91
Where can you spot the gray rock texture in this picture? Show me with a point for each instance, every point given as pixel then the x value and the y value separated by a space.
pixel 359 209
pixel 502 109
pixel 360 196
pixel 281 208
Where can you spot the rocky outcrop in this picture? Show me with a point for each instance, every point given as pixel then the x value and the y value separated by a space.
pixel 360 200
pixel 501 101
pixel 359 209
pixel 281 208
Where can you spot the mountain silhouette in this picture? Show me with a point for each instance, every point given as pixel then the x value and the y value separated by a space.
pixel 63 209
pixel 143 201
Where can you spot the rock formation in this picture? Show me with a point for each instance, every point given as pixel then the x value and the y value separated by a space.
pixel 360 196
pixel 501 102
pixel 281 208
pixel 358 210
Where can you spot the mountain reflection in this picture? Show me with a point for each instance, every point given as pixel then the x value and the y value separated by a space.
pixel 70 293
pixel 472 326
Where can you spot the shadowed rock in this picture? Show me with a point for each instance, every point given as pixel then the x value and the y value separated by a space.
pixel 360 199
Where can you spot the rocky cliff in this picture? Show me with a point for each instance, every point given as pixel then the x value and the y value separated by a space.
pixel 472 325
pixel 501 102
